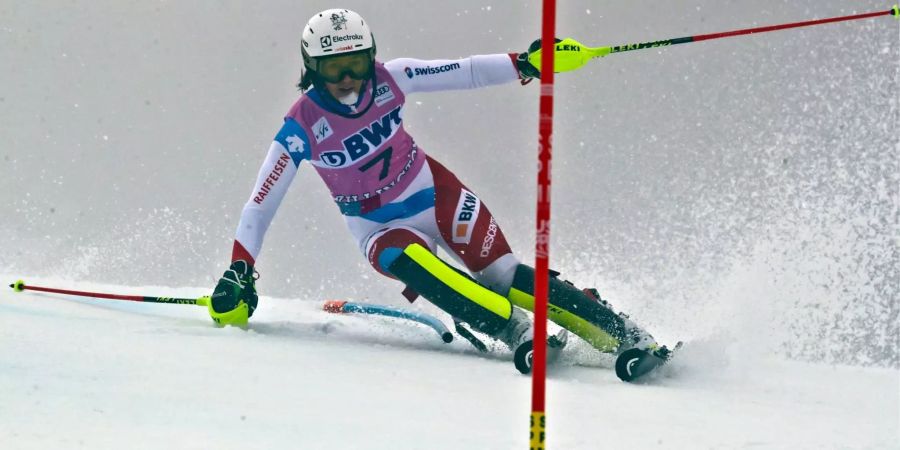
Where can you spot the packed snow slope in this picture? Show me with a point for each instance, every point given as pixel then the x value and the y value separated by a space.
pixel 741 194
pixel 746 182
pixel 105 374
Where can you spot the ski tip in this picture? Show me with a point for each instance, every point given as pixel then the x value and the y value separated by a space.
pixel 334 306
pixel 447 337
pixel 636 363
pixel 18 286
pixel 630 364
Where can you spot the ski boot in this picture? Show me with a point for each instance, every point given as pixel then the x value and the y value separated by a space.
pixel 519 337
pixel 635 336
pixel 518 331
pixel 638 353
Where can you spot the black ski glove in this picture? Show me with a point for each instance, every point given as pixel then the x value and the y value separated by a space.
pixel 234 298
pixel 527 71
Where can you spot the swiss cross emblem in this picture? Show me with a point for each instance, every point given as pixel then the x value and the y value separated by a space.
pixel 295 144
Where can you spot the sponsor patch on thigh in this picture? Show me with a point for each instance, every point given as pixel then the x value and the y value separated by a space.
pixel 488 243
pixel 465 216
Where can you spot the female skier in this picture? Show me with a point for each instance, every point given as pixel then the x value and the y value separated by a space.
pixel 399 203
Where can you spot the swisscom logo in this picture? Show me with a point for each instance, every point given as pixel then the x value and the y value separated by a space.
pixel 428 70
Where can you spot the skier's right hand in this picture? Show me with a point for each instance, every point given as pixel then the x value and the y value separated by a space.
pixel 234 298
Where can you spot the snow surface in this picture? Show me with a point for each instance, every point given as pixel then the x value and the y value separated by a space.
pixel 740 194
pixel 102 374
pixel 750 182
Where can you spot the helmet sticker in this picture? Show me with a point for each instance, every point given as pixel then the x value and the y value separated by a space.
pixel 338 21
pixel 334 32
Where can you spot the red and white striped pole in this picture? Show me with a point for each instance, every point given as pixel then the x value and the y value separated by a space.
pixel 542 242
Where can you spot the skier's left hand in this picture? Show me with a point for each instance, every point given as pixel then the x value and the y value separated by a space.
pixel 568 55
pixel 527 71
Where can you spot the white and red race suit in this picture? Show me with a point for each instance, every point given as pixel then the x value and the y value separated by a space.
pixel 390 193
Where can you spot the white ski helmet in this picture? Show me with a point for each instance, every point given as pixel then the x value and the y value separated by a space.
pixel 335 32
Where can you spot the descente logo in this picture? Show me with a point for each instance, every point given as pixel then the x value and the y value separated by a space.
pixel 431 70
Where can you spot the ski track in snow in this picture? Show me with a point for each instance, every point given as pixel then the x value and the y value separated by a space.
pixel 99 374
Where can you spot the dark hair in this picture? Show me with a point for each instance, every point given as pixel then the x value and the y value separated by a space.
pixel 307 80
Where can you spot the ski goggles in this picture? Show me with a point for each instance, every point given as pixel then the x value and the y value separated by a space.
pixel 357 66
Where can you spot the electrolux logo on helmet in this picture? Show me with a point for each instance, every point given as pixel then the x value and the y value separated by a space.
pixel 347 37
pixel 364 141
pixel 327 41
pixel 428 70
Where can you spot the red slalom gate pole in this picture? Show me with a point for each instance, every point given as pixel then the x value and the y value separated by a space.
pixel 542 240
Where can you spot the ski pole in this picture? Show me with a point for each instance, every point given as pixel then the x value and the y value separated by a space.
pixel 571 54
pixel 343 306
pixel 20 286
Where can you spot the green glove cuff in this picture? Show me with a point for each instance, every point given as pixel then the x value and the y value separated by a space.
pixel 234 298
pixel 237 317
pixel 525 62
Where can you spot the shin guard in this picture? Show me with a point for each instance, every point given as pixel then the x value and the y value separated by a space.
pixel 450 290
pixel 571 309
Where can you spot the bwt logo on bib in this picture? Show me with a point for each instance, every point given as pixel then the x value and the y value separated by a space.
pixel 364 141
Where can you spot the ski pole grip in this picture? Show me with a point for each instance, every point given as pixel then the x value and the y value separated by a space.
pixel 18 286
pixel 895 11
